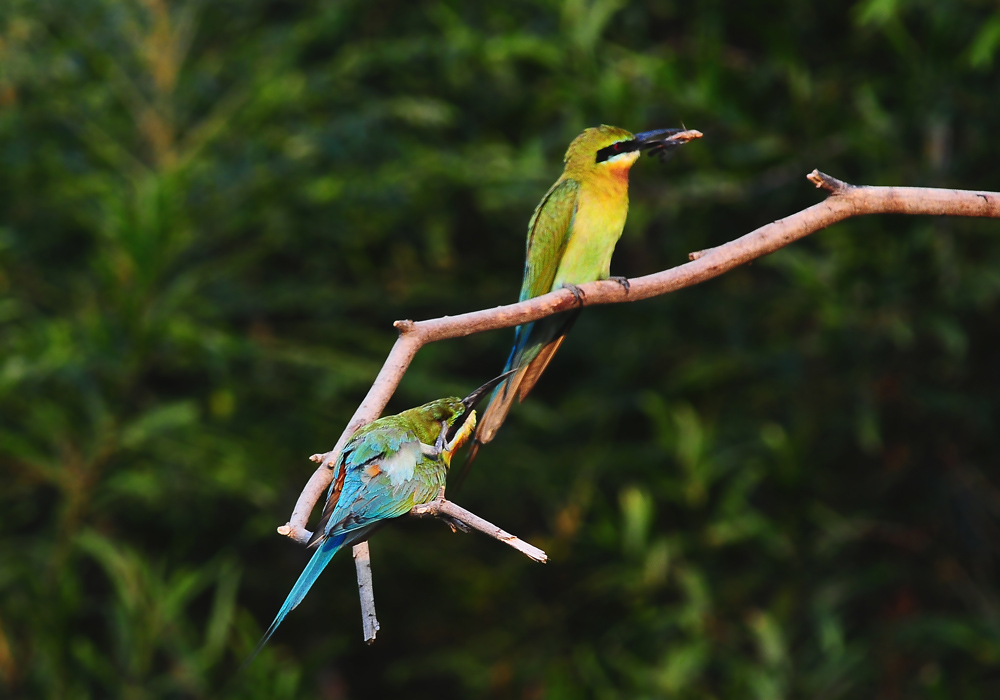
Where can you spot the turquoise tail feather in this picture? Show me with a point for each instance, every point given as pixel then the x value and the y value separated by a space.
pixel 306 580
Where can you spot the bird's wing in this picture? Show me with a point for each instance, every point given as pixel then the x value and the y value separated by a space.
pixel 332 499
pixel 548 233
pixel 378 477
pixel 383 479
pixel 368 445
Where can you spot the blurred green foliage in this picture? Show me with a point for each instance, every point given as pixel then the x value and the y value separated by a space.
pixel 782 483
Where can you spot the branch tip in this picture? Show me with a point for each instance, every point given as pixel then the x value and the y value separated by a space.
pixel 366 592
pixel 404 326
pixel 285 530
pixel 316 458
pixel 827 182
pixel 453 514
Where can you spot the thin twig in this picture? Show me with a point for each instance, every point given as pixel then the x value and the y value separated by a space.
pixel 441 508
pixel 366 590
pixel 845 201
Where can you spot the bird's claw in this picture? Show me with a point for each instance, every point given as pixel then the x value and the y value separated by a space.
pixel 442 439
pixel 577 293
pixel 455 525
pixel 623 281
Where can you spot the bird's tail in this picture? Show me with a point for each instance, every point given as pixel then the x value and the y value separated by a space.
pixel 307 578
pixel 496 412
pixel 534 346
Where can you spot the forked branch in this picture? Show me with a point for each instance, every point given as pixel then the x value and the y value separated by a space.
pixel 844 201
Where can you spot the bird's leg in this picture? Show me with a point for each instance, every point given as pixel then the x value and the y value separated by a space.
pixel 441 443
pixel 577 292
pixel 442 446
pixel 623 281
pixel 446 448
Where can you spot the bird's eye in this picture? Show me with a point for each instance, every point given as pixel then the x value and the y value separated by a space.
pixel 617 146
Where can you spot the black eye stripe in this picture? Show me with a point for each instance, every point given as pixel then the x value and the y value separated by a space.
pixel 615 149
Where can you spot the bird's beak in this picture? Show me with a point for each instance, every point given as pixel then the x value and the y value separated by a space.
pixel 659 141
pixel 475 397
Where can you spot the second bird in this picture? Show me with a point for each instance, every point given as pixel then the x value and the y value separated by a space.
pixel 571 237
pixel 386 468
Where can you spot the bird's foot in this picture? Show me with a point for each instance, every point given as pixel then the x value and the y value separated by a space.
pixel 623 281
pixel 442 439
pixel 455 525
pixel 577 293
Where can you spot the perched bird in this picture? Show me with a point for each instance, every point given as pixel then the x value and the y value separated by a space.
pixel 387 467
pixel 571 237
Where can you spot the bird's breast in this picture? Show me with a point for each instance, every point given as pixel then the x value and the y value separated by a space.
pixel 602 208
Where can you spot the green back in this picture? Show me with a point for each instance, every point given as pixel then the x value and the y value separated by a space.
pixel 548 233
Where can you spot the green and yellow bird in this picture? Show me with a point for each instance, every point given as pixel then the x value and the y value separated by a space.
pixel 571 237
pixel 386 468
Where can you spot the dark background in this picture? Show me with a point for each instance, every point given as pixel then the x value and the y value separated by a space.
pixel 782 483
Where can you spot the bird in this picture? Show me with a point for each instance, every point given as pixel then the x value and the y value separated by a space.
pixel 387 467
pixel 571 237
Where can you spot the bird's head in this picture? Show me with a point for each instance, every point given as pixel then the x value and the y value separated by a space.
pixel 460 414
pixel 608 148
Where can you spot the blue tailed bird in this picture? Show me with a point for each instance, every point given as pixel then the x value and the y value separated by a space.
pixel 571 237
pixel 388 467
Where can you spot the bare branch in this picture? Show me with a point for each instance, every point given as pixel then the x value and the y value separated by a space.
pixel 363 565
pixel 844 201
pixel 827 182
pixel 441 508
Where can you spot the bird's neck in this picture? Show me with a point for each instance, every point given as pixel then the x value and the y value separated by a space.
pixel 611 178
pixel 609 183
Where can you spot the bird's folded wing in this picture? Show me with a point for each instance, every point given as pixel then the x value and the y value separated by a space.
pixel 368 446
pixel 384 486
pixel 548 233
